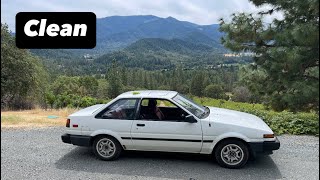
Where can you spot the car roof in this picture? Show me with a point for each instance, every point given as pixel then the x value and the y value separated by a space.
pixel 149 94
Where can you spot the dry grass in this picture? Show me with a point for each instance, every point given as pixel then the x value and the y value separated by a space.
pixel 35 118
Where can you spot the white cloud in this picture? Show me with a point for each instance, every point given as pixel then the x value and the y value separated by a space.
pixel 199 12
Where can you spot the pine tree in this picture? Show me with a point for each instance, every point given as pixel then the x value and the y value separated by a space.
pixel 196 87
pixel 287 50
pixel 115 86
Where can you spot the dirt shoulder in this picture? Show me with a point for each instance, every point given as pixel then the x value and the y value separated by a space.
pixel 35 118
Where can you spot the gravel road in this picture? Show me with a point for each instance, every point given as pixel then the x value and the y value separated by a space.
pixel 40 154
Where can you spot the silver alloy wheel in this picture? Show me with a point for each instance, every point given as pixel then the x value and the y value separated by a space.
pixel 232 154
pixel 105 147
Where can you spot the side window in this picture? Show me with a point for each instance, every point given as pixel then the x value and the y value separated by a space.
pixel 161 110
pixel 166 104
pixel 121 109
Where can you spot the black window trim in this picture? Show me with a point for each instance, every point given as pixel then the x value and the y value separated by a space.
pixel 186 108
pixel 98 115
pixel 139 108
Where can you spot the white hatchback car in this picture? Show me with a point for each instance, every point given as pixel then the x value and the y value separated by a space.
pixel 168 121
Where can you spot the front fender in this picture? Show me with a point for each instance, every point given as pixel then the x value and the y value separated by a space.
pixel 228 135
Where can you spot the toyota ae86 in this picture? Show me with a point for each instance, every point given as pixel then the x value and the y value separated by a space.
pixel 170 122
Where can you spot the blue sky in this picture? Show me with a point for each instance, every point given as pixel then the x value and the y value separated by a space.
pixel 197 11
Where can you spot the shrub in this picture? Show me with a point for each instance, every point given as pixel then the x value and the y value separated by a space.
pixel 214 91
pixel 241 94
pixel 280 122
pixel 75 101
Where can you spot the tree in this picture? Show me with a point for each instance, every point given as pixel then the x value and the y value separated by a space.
pixel 214 91
pixel 115 86
pixel 67 85
pixel 253 80
pixel 196 87
pixel 23 77
pixel 90 84
pixel 102 91
pixel 287 50
pixel 50 99
pixel 241 94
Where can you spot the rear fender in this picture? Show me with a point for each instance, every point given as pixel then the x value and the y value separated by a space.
pixel 107 132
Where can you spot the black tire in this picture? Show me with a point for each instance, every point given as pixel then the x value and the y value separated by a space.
pixel 102 148
pixel 231 153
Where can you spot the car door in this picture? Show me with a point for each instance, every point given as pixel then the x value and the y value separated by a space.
pixel 172 134
pixel 116 119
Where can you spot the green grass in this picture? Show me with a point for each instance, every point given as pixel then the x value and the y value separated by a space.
pixel 227 104
pixel 280 122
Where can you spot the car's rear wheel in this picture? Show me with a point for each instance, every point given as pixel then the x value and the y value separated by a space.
pixel 106 148
pixel 232 153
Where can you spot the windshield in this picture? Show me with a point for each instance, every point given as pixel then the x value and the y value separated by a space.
pixel 194 108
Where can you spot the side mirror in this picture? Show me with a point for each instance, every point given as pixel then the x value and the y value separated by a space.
pixel 190 119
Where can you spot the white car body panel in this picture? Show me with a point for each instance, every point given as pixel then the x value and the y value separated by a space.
pixel 87 111
pixel 167 130
pixel 207 132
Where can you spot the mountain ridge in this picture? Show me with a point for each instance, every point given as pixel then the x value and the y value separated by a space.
pixel 115 33
pixel 159 54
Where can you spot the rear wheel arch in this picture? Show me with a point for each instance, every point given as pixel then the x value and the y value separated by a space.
pixel 106 147
pixel 103 135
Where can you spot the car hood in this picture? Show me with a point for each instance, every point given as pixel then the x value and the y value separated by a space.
pixel 237 118
pixel 88 111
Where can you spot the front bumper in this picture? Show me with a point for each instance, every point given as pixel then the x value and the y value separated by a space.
pixel 76 139
pixel 265 147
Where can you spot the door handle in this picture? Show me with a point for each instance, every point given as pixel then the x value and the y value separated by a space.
pixel 140 124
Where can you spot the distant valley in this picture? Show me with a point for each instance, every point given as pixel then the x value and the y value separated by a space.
pixel 138 41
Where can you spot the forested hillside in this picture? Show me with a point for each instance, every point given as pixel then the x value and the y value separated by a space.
pixel 147 54
pixel 161 54
pixel 118 32
pixel 137 42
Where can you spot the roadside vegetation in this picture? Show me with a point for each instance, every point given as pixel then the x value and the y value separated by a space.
pixel 284 122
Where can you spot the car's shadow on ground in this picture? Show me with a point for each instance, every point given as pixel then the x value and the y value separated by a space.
pixel 166 165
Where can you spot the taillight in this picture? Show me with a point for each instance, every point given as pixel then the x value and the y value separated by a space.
pixel 268 136
pixel 68 123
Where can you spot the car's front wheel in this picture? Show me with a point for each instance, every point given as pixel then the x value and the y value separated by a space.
pixel 106 148
pixel 232 153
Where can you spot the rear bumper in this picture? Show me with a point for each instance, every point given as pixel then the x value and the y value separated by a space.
pixel 76 139
pixel 265 147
